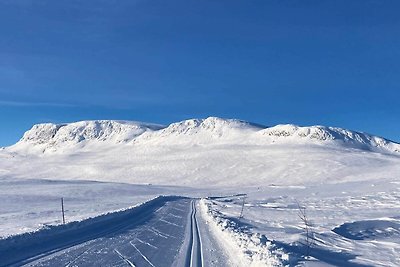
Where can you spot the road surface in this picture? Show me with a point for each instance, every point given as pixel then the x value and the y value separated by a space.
pixel 167 233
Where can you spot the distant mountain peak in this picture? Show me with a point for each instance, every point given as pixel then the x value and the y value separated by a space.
pixel 49 135
pixel 334 134
pixel 210 124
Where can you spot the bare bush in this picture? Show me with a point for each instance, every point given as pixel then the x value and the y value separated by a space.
pixel 309 241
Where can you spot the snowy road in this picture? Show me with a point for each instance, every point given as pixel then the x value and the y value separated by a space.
pixel 164 234
pixel 194 256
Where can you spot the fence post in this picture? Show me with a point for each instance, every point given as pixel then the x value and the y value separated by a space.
pixel 241 211
pixel 62 210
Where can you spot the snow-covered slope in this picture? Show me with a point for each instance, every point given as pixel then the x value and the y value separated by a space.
pixel 199 152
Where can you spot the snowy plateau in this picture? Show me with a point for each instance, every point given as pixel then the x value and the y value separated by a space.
pixel 200 192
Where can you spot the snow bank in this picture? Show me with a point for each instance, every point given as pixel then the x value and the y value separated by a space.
pixel 247 249
pixel 21 247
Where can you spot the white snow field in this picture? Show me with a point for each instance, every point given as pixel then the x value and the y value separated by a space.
pixel 346 182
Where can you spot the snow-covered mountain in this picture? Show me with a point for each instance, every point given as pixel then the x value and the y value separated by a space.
pixel 216 127
pixel 336 173
pixel 332 135
pixel 199 152
pixel 50 137
pixel 211 130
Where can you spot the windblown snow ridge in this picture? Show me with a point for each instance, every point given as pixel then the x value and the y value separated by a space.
pixel 49 137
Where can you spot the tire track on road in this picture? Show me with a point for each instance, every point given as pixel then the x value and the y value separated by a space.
pixel 194 255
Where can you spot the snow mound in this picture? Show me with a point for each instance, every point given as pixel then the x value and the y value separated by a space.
pixel 335 135
pixel 369 229
pixel 49 136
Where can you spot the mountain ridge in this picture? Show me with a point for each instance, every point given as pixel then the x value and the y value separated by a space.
pixel 50 137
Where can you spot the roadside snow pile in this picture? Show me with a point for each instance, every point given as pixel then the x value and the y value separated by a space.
pixel 101 218
pixel 254 249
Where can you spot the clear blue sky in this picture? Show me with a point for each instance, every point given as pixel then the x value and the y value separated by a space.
pixel 333 63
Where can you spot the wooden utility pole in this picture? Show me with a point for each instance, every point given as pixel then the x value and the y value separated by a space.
pixel 62 210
